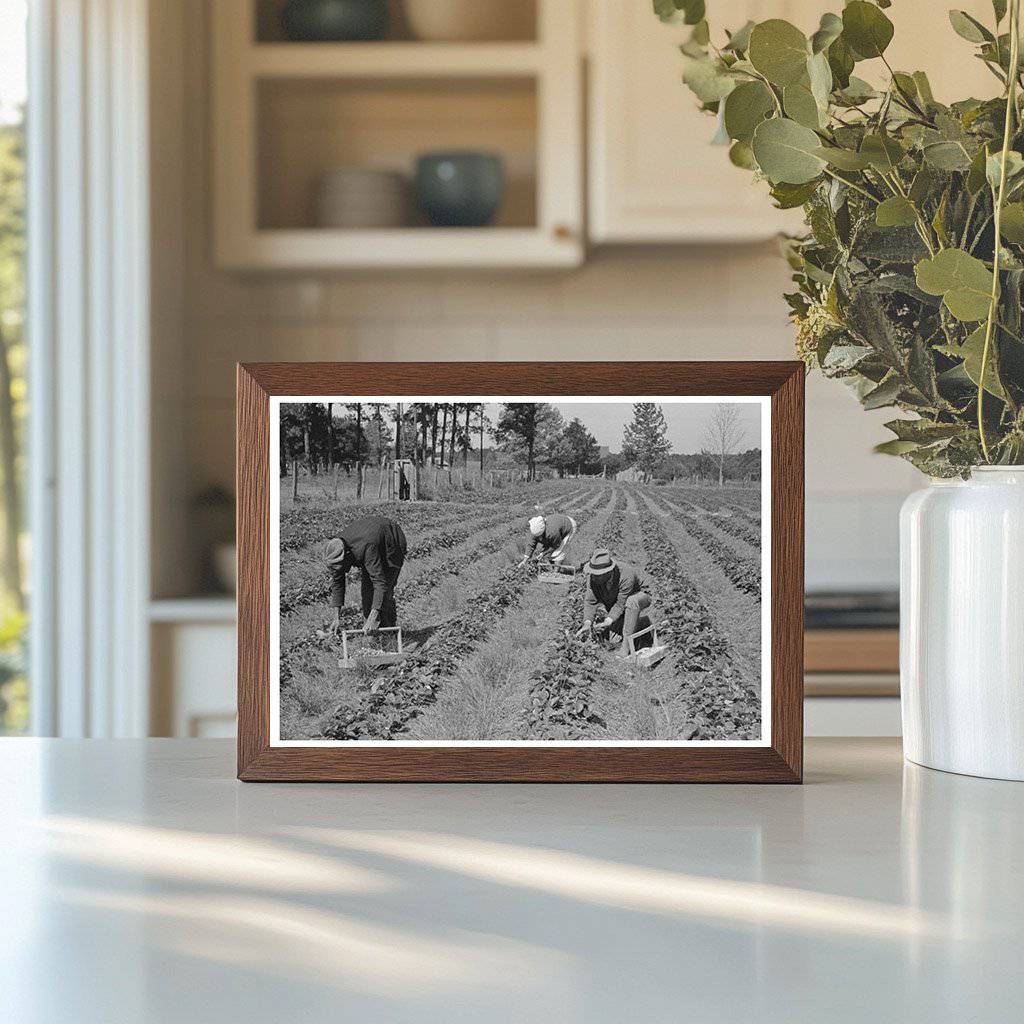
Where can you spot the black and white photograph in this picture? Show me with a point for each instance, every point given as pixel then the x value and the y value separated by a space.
pixel 505 572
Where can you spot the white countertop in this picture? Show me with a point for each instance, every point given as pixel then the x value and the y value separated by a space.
pixel 140 882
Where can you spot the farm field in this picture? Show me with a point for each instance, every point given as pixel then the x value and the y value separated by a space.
pixel 495 653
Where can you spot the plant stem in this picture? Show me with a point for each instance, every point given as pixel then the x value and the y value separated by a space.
pixel 853 185
pixel 1011 109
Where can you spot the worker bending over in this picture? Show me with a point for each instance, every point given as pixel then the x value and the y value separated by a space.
pixel 377 545
pixel 618 592
pixel 550 535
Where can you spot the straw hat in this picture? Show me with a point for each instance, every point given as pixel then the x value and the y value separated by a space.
pixel 537 525
pixel 335 553
pixel 601 562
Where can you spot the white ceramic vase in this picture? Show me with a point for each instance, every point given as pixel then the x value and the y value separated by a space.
pixel 962 624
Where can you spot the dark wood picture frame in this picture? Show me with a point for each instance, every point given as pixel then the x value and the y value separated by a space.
pixel 779 761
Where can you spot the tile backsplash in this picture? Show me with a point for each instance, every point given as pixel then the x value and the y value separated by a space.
pixel 712 302
pixel 708 303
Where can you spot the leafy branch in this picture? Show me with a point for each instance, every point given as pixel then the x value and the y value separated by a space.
pixel 909 280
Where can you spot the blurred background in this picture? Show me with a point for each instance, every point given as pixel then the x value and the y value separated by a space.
pixel 205 183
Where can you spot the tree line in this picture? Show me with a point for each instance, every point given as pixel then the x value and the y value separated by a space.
pixel 533 435
pixel 321 435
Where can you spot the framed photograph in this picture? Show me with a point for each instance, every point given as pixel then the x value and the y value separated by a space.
pixel 579 572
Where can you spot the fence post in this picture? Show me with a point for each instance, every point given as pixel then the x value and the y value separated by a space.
pixel 380 482
pixel 295 480
pixel 359 481
pixel 337 477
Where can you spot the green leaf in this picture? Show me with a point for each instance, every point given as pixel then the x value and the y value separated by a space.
pixel 739 41
pixel 857 91
pixel 701 34
pixel 741 155
pixel 969 28
pixel 788 197
pixel 993 167
pixel 840 61
pixel 690 12
pixel 829 30
pixel 924 88
pixel 779 51
pixel 707 78
pixel 885 394
pixel 866 29
pixel 844 159
pixel 971 351
pixel 882 151
pixel 947 156
pixel 1012 223
pixel 801 106
pixel 819 74
pixel 745 108
pixel 939 220
pixel 923 431
pixel 999 9
pixel 963 281
pixel 976 173
pixel 895 447
pixel 895 212
pixel 787 151
pixel 922 185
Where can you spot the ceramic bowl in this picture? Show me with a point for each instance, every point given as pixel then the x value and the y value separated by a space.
pixel 470 20
pixel 359 197
pixel 334 21
pixel 460 189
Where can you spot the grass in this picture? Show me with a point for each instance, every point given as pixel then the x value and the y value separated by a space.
pixel 488 696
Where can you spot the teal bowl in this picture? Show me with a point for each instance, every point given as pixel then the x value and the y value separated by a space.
pixel 460 190
pixel 334 21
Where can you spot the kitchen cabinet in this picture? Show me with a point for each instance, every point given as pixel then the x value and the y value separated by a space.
pixel 287 114
pixel 654 177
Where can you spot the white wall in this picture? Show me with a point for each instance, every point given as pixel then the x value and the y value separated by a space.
pixel 667 303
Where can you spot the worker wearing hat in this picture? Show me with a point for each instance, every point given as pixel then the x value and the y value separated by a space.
pixel 377 546
pixel 550 535
pixel 618 591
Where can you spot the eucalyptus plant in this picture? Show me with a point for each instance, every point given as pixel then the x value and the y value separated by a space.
pixel 910 278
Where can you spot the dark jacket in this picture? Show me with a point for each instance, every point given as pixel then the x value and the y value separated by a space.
pixel 377 545
pixel 612 589
pixel 556 528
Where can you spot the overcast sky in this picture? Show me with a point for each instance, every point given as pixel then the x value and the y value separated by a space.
pixel 686 422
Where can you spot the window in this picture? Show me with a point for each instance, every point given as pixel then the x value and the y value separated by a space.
pixel 14 690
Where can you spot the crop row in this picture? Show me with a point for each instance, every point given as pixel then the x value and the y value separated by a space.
pixel 309 525
pixel 735 525
pixel 316 586
pixel 412 587
pixel 743 573
pixel 721 705
pixel 561 688
pixel 740 504
pixel 396 696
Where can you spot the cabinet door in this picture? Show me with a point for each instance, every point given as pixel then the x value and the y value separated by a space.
pixel 654 177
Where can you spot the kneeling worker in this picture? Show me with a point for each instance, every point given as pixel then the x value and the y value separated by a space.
pixel 618 591
pixel 377 545
pixel 551 534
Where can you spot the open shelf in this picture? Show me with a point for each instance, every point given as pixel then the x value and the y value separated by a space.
pixel 520 22
pixel 309 127
pixel 286 114
pixel 393 60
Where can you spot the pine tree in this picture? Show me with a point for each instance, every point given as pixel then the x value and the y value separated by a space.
pixel 644 443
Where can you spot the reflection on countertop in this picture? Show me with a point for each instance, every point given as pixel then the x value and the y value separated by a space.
pixel 144 883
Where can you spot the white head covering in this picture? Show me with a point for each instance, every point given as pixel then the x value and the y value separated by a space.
pixel 537 525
